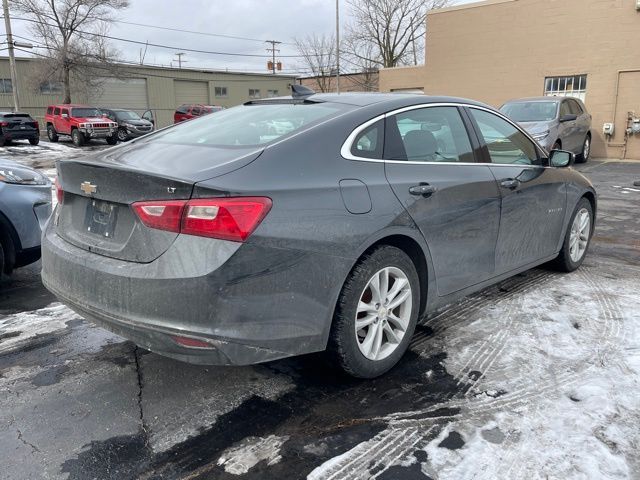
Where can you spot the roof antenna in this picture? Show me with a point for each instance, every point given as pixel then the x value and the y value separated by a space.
pixel 299 91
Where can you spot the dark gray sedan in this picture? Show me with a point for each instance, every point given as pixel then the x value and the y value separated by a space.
pixel 225 241
pixel 555 122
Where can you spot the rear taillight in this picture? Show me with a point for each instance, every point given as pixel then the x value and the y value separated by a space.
pixel 224 218
pixel 59 192
pixel 4 124
pixel 36 125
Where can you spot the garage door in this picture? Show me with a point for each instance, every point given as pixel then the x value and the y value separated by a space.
pixel 191 92
pixel 130 93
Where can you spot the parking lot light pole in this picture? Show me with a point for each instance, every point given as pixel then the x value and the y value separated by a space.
pixel 12 57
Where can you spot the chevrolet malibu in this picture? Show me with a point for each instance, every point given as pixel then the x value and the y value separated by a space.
pixel 225 241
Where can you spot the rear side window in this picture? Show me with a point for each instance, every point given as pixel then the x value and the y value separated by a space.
pixel 56 111
pixel 430 134
pixel 575 107
pixel 506 144
pixel 255 124
pixel 368 144
pixel 564 109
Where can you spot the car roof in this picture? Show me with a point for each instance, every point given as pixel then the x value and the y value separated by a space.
pixel 538 99
pixel 14 113
pixel 392 100
pixel 71 105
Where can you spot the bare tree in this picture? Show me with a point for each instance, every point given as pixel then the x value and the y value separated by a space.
pixel 319 56
pixel 389 32
pixel 73 33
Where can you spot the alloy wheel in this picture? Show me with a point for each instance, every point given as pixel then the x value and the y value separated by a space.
pixel 383 313
pixel 579 237
pixel 122 135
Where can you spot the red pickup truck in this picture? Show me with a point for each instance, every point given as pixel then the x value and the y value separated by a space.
pixel 81 122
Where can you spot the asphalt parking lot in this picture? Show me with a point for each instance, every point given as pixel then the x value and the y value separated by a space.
pixel 534 378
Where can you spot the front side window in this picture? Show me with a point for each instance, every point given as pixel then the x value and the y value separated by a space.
pixel 182 109
pixel 221 92
pixel 506 144
pixel 430 134
pixel 65 111
pixel 196 111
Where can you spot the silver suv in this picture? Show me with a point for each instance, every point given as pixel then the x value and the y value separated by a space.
pixel 555 122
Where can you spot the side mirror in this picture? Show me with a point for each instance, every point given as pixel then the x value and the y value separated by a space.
pixel 568 118
pixel 65 115
pixel 561 158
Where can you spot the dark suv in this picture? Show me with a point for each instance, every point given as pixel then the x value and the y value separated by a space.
pixel 187 112
pixel 18 126
pixel 130 125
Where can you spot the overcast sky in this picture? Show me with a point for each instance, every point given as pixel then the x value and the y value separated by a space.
pixel 254 19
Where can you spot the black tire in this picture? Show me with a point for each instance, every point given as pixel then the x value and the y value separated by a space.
pixel 123 135
pixel 2 262
pixel 77 137
pixel 34 141
pixel 3 141
pixel 582 158
pixel 343 347
pixel 112 140
pixel 563 262
pixel 52 134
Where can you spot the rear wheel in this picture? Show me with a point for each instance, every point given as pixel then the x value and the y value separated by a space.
pixel 3 141
pixel 77 137
pixel 112 140
pixel 51 133
pixel 577 238
pixel 376 313
pixel 34 141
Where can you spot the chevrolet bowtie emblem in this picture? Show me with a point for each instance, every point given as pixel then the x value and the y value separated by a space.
pixel 87 188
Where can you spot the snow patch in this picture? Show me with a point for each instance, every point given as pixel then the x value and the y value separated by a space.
pixel 16 328
pixel 242 457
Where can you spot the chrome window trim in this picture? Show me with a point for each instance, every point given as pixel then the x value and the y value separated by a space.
pixel 345 151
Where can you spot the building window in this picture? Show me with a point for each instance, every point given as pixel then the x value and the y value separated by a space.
pixel 51 88
pixel 5 85
pixel 573 86
pixel 272 93
pixel 221 92
pixel 254 93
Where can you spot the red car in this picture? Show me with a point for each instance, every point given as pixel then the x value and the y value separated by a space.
pixel 187 112
pixel 81 122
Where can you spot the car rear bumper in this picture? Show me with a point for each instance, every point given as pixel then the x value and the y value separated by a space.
pixel 30 135
pixel 247 308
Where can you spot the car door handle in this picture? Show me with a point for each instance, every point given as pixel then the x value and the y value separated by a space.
pixel 510 183
pixel 424 190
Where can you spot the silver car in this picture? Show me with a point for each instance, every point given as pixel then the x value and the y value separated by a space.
pixel 25 206
pixel 557 123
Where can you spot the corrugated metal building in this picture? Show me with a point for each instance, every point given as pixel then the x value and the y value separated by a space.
pixel 156 88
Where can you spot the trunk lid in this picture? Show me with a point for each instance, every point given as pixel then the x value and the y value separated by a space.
pixel 99 189
pixel 19 123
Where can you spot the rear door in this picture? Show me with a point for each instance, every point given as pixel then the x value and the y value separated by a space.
pixel 533 196
pixel 568 130
pixel 583 123
pixel 430 164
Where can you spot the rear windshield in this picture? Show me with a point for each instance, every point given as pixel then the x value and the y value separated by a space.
pixel 16 115
pixel 530 111
pixel 256 124
pixel 85 112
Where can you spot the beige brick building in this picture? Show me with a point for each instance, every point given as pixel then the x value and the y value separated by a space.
pixel 497 50
pixel 349 82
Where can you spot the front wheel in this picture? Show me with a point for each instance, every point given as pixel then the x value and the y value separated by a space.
pixel 123 135
pixel 112 140
pixel 577 238
pixel 77 137
pixel 586 150
pixel 376 313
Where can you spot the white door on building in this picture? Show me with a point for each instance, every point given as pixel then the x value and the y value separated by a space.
pixel 189 92
pixel 130 93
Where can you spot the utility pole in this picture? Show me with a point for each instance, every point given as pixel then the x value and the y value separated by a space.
pixel 179 55
pixel 337 46
pixel 273 51
pixel 12 57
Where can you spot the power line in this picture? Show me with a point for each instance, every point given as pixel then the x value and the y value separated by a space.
pixel 157 45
